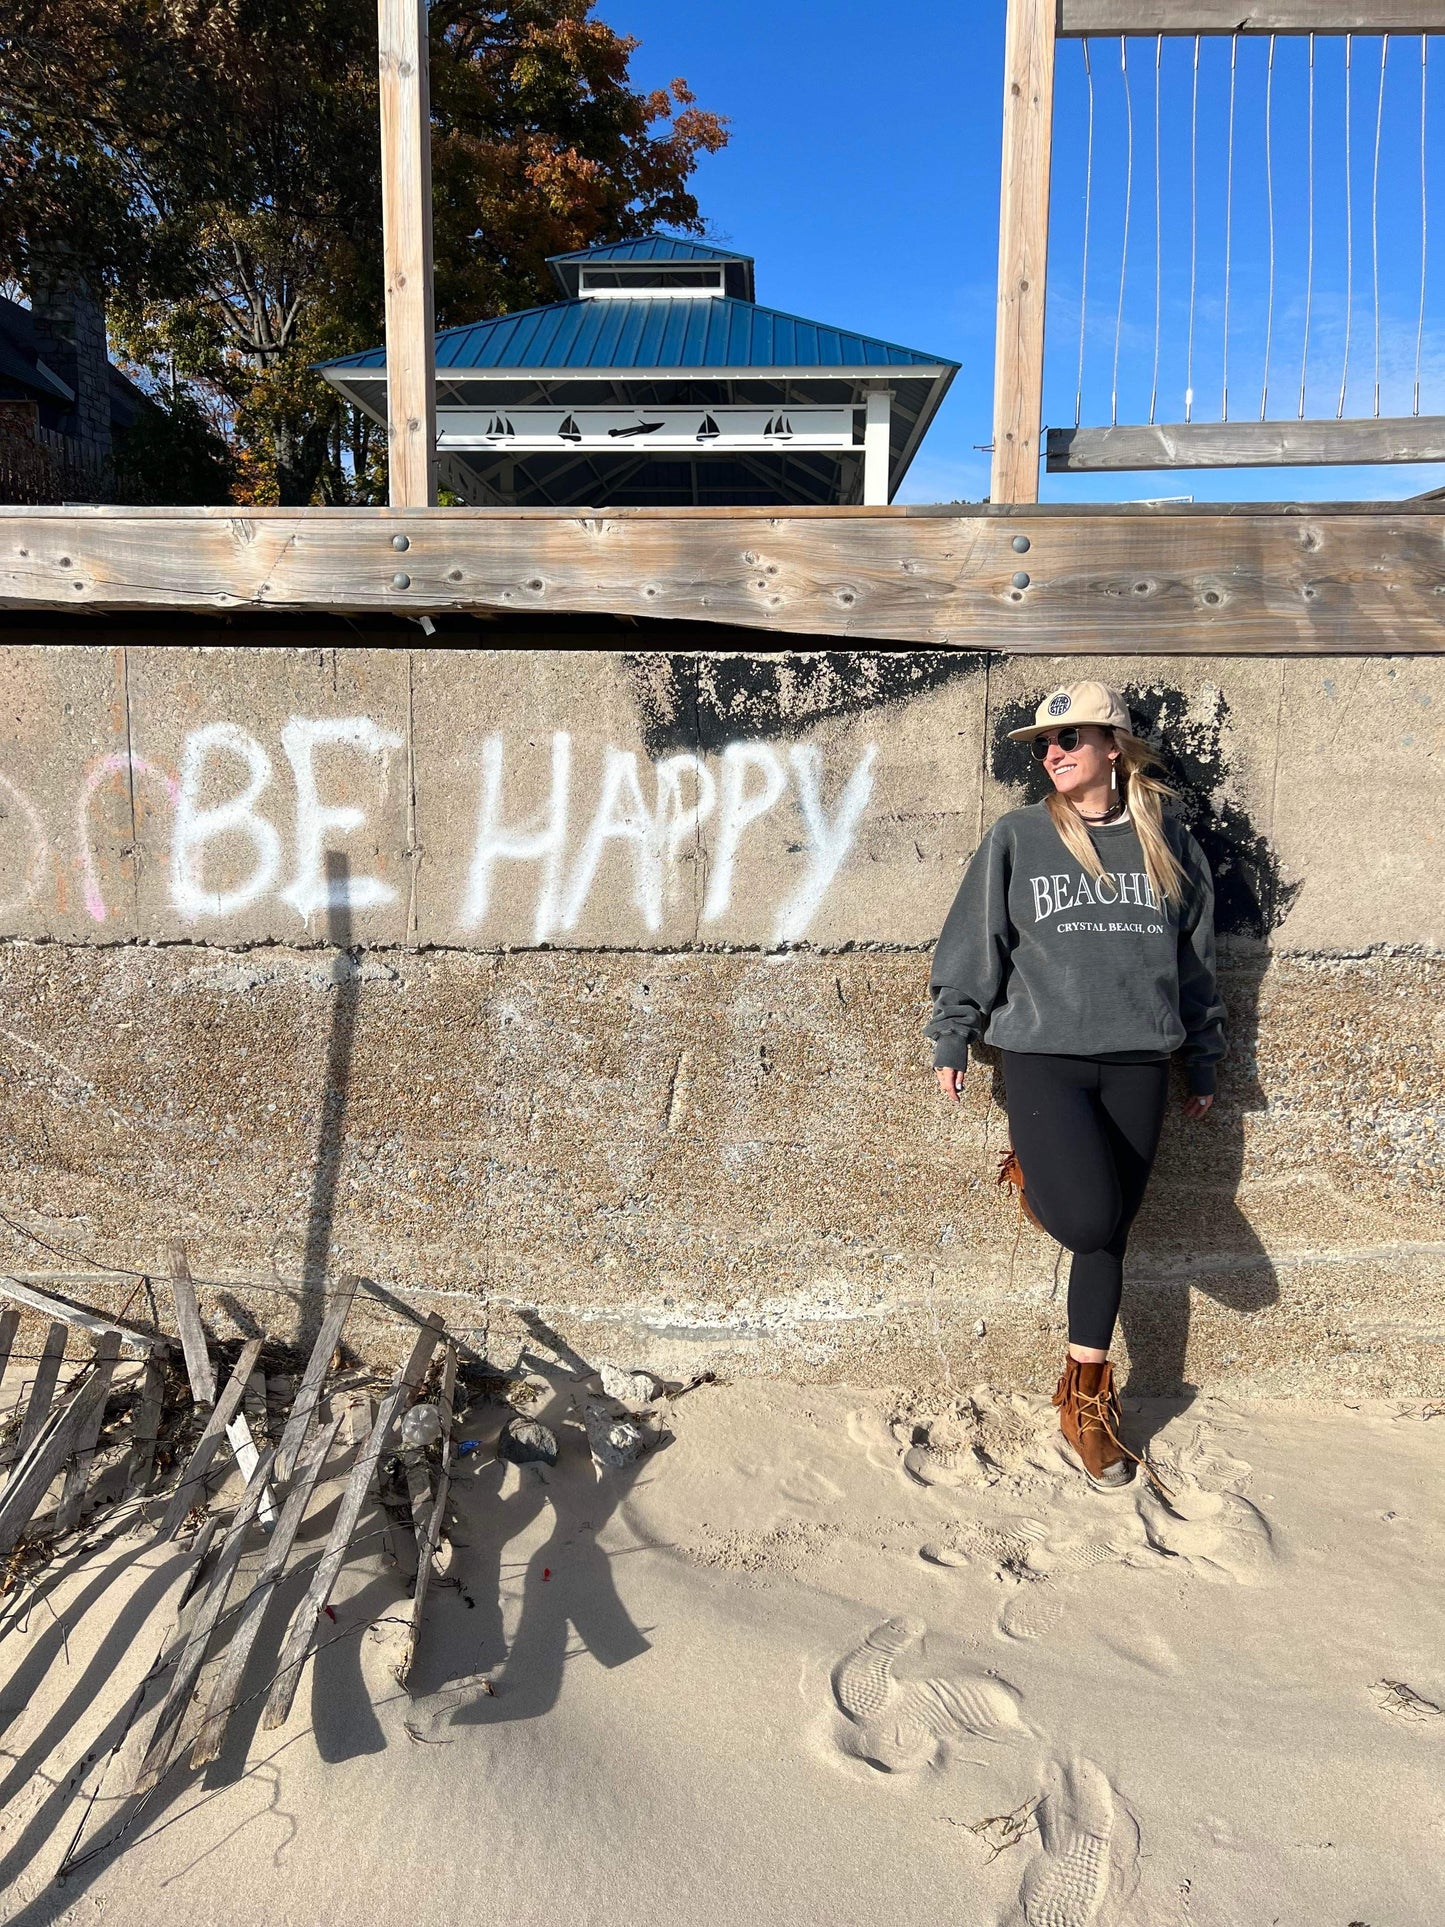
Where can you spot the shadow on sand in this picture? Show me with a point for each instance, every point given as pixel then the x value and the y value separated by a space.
pixel 529 1588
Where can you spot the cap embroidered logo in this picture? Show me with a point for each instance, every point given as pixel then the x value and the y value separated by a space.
pixel 1059 705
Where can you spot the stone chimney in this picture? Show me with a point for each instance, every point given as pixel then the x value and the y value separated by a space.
pixel 70 335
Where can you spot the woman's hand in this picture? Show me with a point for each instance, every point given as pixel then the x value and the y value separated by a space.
pixel 950 1082
pixel 1197 1104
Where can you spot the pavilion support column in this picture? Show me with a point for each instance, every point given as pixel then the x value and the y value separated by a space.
pixel 407 250
pixel 1023 241
pixel 877 452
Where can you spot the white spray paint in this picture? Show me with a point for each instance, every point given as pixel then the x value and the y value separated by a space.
pixel 541 840
pixel 740 806
pixel 195 826
pixel 317 823
pixel 38 859
pixel 829 840
pixel 648 828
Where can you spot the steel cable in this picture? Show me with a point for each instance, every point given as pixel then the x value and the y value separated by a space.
pixel 1349 227
pixel 1304 364
pixel 1193 233
pixel 1158 230
pixel 1228 218
pixel 1375 213
pixel 1269 203
pixel 1128 208
pixel 1424 221
pixel 1088 207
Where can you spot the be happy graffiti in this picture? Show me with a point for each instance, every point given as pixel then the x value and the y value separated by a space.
pixel 248 826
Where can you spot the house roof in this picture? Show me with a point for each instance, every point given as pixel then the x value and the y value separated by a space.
pixel 23 366
pixel 723 334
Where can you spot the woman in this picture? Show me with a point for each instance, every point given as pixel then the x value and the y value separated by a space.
pixel 1081 943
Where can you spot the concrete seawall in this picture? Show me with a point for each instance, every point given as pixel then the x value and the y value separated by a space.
pixel 583 990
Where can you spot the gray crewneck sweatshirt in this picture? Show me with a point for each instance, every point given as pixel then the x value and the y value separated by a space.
pixel 1036 956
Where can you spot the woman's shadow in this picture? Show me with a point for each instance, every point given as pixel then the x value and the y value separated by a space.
pixel 1191 1233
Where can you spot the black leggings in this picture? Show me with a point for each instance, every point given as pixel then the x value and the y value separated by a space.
pixel 1085 1133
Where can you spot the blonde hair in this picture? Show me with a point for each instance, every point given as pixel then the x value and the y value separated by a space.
pixel 1145 796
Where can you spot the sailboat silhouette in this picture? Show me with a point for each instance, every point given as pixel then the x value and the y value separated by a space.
pixel 779 428
pixel 500 425
pixel 569 431
pixel 709 431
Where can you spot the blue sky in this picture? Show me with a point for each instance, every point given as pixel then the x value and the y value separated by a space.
pixel 863 175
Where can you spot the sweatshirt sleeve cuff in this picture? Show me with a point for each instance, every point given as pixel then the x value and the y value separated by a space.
pixel 1200 1078
pixel 951 1054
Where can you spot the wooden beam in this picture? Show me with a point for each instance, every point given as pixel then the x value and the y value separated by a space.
pixel 94 1324
pixel 227 1686
pixel 429 1513
pixel 406 223
pixel 192 1654
pixel 77 1477
pixel 1023 244
pixel 192 1485
pixel 338 1305
pixel 199 1369
pixel 48 1451
pixel 42 1390
pixel 147 1424
pixel 1079 17
pixel 1241 579
pixel 1307 444
pixel 303 1625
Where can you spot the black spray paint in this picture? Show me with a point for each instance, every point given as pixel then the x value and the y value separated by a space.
pixel 704 702
pixel 1251 896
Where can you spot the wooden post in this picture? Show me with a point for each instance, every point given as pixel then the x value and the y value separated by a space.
pixel 1023 241
pixel 407 250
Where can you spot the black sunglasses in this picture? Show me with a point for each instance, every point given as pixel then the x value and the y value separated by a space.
pixel 1066 738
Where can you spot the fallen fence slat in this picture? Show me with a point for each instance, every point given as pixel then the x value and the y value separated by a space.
pixel 338 1305
pixel 192 1482
pixel 303 1625
pixel 199 1369
pixel 227 1685
pixel 42 1392
pixel 429 1521
pixel 95 1323
pixel 52 1446
pixel 147 1423
pixel 9 1325
pixel 201 1372
pixel 192 1655
pixel 72 1498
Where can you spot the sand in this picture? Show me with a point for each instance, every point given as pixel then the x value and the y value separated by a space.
pixel 826 1656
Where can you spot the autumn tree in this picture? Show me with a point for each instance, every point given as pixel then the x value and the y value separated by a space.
pixel 212 167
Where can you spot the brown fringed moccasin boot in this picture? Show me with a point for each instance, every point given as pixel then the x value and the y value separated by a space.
pixel 1011 1172
pixel 1089 1419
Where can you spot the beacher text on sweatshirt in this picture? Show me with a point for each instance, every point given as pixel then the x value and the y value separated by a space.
pixel 1036 955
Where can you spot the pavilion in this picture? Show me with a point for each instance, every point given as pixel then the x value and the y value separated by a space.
pixel 658 381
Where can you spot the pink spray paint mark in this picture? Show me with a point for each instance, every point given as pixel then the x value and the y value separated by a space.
pixel 95 775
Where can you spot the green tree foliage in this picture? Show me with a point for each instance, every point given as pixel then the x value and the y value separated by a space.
pixel 213 167
pixel 174 455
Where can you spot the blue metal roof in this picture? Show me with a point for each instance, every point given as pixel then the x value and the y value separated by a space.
pixel 658 250
pixel 651 334
pixel 652 247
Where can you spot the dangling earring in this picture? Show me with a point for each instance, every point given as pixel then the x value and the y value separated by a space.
pixel 1113 777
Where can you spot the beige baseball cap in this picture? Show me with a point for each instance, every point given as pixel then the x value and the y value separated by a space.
pixel 1081 702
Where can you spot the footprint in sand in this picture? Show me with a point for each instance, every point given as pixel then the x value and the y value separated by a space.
pixel 1220 1534
pixel 900 1726
pixel 1089 1851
